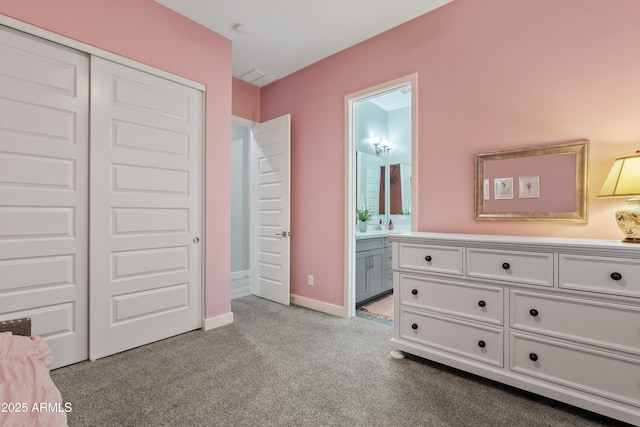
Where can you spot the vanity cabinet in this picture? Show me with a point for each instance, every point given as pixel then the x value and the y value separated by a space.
pixel 374 269
pixel 556 317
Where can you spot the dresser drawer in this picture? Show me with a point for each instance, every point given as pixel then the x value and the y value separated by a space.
pixel 473 341
pixel 616 276
pixel 438 259
pixel 614 326
pixel 607 375
pixel 483 303
pixel 533 268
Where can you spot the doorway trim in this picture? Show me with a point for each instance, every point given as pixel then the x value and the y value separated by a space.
pixel 350 167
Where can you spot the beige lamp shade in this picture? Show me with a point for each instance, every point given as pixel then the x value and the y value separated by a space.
pixel 624 180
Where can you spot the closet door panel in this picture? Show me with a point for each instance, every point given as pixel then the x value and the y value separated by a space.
pixel 43 190
pixel 146 202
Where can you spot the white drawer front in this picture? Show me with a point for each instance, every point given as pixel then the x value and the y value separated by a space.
pixel 439 259
pixel 600 373
pixel 531 268
pixel 464 339
pixel 608 325
pixel 600 274
pixel 484 303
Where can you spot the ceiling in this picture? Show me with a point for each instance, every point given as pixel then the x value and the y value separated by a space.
pixel 393 100
pixel 284 36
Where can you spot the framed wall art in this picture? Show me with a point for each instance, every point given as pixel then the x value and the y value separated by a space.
pixel 545 182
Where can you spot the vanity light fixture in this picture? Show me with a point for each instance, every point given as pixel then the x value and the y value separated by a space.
pixel 381 146
pixel 624 180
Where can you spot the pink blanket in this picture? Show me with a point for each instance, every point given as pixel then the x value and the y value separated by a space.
pixel 28 396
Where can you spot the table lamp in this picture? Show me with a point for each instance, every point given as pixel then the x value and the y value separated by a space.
pixel 624 180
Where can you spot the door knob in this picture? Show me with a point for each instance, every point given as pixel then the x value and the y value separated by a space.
pixel 196 240
pixel 284 234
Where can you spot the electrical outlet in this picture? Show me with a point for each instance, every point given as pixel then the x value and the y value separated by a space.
pixel 310 280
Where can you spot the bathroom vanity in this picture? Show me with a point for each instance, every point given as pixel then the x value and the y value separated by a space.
pixel 553 316
pixel 374 270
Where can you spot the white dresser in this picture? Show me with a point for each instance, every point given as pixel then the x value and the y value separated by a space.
pixel 557 317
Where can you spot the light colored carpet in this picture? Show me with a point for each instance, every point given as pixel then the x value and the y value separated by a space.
pixel 289 366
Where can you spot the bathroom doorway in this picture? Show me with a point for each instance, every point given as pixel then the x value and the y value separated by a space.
pixel 381 169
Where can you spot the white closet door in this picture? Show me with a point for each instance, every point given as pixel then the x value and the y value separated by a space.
pixel 43 191
pixel 146 204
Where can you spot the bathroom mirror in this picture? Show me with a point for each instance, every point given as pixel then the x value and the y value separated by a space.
pixel 399 184
pixel 546 182
pixel 372 183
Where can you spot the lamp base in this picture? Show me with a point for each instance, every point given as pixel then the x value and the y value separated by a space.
pixel 630 240
pixel 628 218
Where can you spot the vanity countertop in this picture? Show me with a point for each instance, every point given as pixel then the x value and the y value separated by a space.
pixel 372 233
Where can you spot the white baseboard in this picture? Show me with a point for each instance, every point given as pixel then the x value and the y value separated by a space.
pixel 216 322
pixel 240 284
pixel 238 275
pixel 316 305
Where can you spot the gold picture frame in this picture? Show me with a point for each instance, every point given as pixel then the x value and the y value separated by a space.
pixel 563 188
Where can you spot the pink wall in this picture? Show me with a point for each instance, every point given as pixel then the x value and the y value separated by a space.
pixel 246 100
pixel 152 34
pixel 492 74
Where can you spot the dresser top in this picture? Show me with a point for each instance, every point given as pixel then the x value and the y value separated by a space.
pixel 540 243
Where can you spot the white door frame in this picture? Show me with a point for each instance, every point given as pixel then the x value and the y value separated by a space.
pixel 350 169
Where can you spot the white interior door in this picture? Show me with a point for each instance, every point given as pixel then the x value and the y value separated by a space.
pixel 43 190
pixel 146 208
pixel 270 205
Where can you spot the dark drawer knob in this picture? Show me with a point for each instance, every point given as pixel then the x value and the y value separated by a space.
pixel 506 266
pixel 427 258
pixel 414 326
pixel 482 303
pixel 482 344
pixel 616 276
pixel 533 357
pixel 533 312
pixel 414 291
